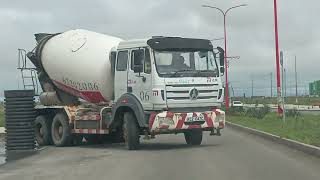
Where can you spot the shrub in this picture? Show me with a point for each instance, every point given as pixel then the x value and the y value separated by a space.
pixel 256 103
pixel 293 113
pixel 258 113
pixel 235 111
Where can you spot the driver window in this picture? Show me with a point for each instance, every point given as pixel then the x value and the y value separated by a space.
pixel 137 57
pixel 144 55
pixel 201 61
pixel 186 58
pixel 180 61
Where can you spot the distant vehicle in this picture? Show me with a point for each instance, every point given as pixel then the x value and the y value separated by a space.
pixel 160 85
pixel 237 104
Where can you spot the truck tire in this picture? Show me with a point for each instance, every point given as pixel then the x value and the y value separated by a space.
pixel 60 130
pixel 43 130
pixel 117 136
pixel 193 137
pixel 131 131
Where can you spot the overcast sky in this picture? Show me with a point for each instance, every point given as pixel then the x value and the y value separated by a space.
pixel 250 32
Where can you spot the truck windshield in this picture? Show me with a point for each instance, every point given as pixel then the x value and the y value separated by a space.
pixel 186 64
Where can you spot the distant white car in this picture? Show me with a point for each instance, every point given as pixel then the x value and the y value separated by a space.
pixel 237 104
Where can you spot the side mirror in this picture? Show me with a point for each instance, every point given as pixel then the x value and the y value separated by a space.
pixel 221 56
pixel 221 60
pixel 138 59
pixel 222 70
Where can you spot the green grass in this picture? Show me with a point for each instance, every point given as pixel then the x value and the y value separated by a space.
pixel 304 129
pixel 288 100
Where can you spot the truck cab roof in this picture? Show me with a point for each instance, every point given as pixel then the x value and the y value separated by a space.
pixel 167 43
pixel 133 43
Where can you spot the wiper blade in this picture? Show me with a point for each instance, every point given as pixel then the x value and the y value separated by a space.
pixel 207 71
pixel 179 71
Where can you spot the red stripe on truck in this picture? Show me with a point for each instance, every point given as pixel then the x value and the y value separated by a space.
pixel 208 120
pixel 151 119
pixel 91 96
pixel 181 120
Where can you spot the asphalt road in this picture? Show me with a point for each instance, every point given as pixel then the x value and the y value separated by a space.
pixel 235 155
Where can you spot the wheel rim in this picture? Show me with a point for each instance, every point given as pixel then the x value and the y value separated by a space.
pixel 58 131
pixel 39 132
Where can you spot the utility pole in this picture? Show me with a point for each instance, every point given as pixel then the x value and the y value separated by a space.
pixel 296 78
pixel 232 91
pixel 252 88
pixel 282 80
pixel 271 95
pixel 285 82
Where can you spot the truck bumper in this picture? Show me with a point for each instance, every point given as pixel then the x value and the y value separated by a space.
pixel 171 122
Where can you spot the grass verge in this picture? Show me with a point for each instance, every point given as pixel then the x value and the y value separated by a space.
pixel 305 129
pixel 1 116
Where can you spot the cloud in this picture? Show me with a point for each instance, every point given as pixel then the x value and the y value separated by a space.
pixel 250 31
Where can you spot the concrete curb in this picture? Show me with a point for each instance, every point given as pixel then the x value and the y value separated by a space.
pixel 306 148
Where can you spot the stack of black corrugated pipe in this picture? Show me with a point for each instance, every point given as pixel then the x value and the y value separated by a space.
pixel 19 123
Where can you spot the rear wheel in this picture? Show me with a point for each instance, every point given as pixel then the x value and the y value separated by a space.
pixel 131 131
pixel 193 137
pixel 61 134
pixel 43 130
pixel 117 136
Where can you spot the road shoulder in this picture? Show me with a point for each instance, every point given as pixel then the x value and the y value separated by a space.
pixel 306 148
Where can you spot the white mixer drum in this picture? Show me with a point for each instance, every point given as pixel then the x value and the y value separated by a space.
pixel 77 61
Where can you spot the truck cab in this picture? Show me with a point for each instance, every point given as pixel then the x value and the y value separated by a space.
pixel 176 82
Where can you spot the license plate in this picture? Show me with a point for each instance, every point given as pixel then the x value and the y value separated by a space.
pixel 199 118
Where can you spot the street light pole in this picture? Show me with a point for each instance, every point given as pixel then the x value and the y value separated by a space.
pixel 224 13
pixel 226 61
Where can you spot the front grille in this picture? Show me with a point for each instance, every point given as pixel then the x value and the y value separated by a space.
pixel 182 98
pixel 181 92
pixel 200 91
pixel 192 85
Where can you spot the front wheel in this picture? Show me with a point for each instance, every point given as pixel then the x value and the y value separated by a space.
pixel 131 131
pixel 193 136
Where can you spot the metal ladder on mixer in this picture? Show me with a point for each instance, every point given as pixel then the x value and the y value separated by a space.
pixel 28 73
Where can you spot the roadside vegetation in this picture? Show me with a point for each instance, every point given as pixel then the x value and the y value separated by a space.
pixel 305 100
pixel 1 115
pixel 302 128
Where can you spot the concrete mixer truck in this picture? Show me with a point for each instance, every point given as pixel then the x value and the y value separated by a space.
pixel 99 87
